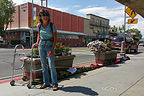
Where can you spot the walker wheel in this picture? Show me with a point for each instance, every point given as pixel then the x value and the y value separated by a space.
pixel 29 86
pixel 12 83
pixel 24 78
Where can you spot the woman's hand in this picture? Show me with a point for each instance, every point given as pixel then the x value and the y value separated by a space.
pixel 50 54
pixel 35 44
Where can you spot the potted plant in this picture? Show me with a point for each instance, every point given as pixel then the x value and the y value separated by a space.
pixel 103 52
pixel 63 60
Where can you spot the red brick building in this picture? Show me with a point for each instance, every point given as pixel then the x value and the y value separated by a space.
pixel 70 27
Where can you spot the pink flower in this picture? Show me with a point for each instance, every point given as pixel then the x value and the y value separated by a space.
pixel 60 46
pixel 106 48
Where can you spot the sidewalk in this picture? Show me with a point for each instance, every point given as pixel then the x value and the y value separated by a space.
pixel 125 79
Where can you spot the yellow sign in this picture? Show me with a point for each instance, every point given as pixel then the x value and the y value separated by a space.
pixel 130 12
pixel 35 22
pixel 132 21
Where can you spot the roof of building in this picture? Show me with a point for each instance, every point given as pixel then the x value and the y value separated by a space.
pixel 98 16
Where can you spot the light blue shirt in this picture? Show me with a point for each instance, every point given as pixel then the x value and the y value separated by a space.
pixel 46 34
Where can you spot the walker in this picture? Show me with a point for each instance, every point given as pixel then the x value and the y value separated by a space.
pixel 14 67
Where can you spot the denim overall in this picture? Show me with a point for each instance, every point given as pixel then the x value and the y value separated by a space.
pixel 45 46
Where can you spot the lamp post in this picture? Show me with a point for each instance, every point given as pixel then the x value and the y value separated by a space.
pixel 32 24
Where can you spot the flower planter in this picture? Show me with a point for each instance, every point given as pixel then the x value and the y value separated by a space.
pixel 61 63
pixel 105 58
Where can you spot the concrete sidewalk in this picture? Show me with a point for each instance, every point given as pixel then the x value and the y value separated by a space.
pixel 126 79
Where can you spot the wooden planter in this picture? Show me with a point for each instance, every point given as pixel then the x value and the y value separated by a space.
pixel 105 58
pixel 61 63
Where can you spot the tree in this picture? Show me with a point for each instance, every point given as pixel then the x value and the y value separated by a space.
pixel 138 33
pixel 7 8
pixel 115 28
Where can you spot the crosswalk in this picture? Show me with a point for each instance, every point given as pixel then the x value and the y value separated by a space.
pixel 84 52
pixel 87 52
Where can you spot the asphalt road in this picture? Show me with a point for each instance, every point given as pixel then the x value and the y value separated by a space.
pixel 83 56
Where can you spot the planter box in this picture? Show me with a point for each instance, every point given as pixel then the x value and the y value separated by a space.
pixel 106 58
pixel 61 63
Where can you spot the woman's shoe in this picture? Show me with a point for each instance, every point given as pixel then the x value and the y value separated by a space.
pixel 55 88
pixel 44 86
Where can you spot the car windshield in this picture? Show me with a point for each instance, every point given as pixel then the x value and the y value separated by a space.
pixel 118 39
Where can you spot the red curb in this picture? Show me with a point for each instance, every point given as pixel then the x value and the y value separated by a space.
pixel 82 65
pixel 10 80
pixel 140 53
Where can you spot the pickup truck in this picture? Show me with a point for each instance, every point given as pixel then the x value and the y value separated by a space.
pixel 129 45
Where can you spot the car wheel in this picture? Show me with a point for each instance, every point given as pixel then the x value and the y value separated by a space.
pixel 136 50
pixel 128 50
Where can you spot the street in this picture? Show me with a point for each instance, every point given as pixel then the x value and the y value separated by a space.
pixel 83 56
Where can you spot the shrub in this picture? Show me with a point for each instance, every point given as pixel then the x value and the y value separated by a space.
pixel 15 42
pixel 59 50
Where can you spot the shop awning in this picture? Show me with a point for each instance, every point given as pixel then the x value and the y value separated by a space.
pixel 35 29
pixel 72 33
pixel 21 29
pixel 137 5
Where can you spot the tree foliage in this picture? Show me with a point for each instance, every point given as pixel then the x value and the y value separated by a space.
pixel 117 29
pixel 138 33
pixel 120 28
pixel 7 8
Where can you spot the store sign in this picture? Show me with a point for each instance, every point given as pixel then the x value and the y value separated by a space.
pixel 35 22
pixel 34 13
pixel 131 13
pixel 132 21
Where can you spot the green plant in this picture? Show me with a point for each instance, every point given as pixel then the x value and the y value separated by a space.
pixel 35 51
pixel 59 50
pixel 15 42
pixel 62 50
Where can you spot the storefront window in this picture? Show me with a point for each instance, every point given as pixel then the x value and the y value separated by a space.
pixel 11 33
pixel 68 36
pixel 15 33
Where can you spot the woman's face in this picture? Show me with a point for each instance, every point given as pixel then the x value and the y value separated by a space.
pixel 44 18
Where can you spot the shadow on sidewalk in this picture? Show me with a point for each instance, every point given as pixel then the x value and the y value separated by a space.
pixel 79 89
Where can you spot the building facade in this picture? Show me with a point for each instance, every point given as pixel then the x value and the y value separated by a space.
pixel 72 30
pixel 96 28
pixel 70 27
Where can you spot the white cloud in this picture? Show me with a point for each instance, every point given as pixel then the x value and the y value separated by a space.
pixel 116 16
pixel 60 9
pixel 117 22
pixel 103 11
pixel 18 2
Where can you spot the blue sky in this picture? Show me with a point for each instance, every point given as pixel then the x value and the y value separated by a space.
pixel 109 9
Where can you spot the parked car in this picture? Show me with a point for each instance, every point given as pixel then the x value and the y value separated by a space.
pixel 129 44
pixel 141 44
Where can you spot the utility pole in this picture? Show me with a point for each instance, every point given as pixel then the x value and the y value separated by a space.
pixel 32 24
pixel 122 52
pixel 124 20
pixel 46 3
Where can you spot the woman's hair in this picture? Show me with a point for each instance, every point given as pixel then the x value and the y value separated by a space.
pixel 43 12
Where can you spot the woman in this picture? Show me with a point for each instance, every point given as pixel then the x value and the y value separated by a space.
pixel 47 37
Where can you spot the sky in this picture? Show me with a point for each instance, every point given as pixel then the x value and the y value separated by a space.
pixel 110 9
